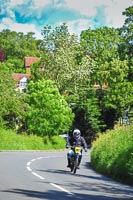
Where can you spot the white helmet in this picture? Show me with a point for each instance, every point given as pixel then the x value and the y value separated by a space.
pixel 76 132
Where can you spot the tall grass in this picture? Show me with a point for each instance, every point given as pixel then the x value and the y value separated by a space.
pixel 9 140
pixel 112 154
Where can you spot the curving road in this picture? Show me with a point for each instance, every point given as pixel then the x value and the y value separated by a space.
pixel 30 175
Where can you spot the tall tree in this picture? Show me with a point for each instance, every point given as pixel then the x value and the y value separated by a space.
pixel 126 46
pixel 102 45
pixel 18 45
pixel 12 103
pixel 65 63
pixel 48 112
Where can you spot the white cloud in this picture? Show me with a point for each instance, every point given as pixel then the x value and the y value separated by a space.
pixel 113 9
pixel 25 28
pixel 114 12
pixel 86 7
pixel 82 14
pixel 13 3
pixel 81 6
pixel 41 3
pixel 78 25
pixel 6 23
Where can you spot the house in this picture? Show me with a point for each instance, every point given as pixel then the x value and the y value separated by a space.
pixel 22 79
pixel 28 61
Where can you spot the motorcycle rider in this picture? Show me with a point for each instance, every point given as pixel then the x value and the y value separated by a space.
pixel 77 140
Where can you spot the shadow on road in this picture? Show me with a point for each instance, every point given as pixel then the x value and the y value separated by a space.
pixel 97 188
pixel 52 195
pixel 97 183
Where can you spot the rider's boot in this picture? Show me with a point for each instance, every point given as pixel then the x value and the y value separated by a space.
pixel 69 165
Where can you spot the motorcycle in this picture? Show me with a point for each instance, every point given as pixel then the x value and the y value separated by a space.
pixel 74 158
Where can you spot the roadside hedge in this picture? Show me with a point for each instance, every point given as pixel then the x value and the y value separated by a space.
pixel 112 154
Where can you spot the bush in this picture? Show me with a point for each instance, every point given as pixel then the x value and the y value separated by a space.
pixel 10 140
pixel 49 113
pixel 112 154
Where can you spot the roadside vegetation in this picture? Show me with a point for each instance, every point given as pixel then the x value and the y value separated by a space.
pixel 84 83
pixel 10 140
pixel 112 154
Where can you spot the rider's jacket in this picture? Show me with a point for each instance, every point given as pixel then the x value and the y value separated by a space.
pixel 78 142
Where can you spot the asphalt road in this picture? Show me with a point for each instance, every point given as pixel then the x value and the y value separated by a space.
pixel 30 175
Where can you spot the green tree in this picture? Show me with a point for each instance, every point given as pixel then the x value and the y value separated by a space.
pixel 62 60
pixel 103 46
pixel 12 103
pixel 48 113
pixel 87 112
pixel 65 62
pixel 18 45
pixel 126 46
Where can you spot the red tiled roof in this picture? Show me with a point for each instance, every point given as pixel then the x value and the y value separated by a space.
pixel 18 76
pixel 30 60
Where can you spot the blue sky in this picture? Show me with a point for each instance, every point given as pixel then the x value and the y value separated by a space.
pixel 32 15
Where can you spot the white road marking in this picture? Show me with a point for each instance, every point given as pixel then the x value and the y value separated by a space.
pixel 35 174
pixel 39 158
pixel 61 188
pixel 29 169
pixel 33 160
pixel 28 163
pixel 42 178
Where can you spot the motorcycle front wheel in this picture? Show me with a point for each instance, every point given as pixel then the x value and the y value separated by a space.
pixel 72 164
pixel 75 165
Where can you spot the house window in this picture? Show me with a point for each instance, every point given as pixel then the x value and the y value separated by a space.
pixel 23 83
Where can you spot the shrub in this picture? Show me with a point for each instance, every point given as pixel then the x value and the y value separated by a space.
pixel 112 154
pixel 9 140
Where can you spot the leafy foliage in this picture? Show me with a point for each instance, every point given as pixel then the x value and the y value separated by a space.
pixel 126 45
pixel 12 141
pixel 112 154
pixel 48 112
pixel 61 62
pixel 102 56
pixel 16 46
pixel 66 64
pixel 103 46
pixel 12 103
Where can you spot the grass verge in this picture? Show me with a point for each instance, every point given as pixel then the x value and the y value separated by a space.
pixel 9 140
pixel 112 154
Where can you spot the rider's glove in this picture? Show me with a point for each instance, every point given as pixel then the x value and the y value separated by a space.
pixel 85 149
